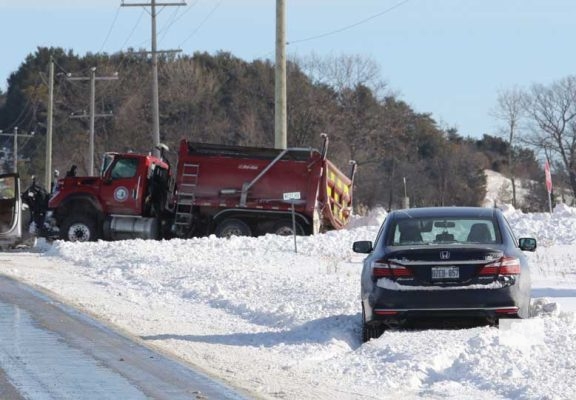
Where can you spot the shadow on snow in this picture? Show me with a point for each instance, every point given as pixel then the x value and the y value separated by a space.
pixel 552 292
pixel 319 331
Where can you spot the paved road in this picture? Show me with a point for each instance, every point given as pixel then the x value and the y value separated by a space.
pixel 50 351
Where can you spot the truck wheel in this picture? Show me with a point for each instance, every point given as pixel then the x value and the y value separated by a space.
pixel 232 227
pixel 285 228
pixel 79 228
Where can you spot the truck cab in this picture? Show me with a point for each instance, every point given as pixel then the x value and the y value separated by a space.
pixel 123 202
pixel 124 183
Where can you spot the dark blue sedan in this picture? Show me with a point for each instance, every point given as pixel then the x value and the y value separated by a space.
pixel 443 264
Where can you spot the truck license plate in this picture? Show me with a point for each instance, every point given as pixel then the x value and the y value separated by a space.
pixel 445 272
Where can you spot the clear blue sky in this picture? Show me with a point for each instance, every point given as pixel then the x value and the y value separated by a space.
pixel 445 57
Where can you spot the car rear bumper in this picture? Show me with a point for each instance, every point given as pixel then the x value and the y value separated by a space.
pixel 506 302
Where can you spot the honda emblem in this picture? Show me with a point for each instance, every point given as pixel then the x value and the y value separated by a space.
pixel 444 255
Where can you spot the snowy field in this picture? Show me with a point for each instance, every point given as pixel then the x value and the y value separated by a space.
pixel 285 325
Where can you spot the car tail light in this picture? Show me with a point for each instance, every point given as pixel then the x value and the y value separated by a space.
pixel 504 266
pixel 385 312
pixel 507 311
pixel 388 269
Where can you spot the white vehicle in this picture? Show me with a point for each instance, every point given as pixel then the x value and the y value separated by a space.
pixel 10 211
pixel 16 213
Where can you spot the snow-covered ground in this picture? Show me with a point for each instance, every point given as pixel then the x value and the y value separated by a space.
pixel 286 325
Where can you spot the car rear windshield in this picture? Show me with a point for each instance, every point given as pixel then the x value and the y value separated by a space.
pixel 443 230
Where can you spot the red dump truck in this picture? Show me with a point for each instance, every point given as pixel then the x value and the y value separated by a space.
pixel 214 189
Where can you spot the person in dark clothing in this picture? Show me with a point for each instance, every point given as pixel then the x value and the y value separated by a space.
pixel 71 172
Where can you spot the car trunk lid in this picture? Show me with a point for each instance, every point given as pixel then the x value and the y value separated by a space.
pixel 445 265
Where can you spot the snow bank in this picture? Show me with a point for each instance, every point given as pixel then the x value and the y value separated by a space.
pixel 282 323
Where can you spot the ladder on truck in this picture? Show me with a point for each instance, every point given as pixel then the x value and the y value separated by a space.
pixel 185 197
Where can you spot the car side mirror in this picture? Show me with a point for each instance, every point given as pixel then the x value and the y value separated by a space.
pixel 362 246
pixel 527 244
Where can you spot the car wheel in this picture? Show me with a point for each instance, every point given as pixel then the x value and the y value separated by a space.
pixel 232 227
pixel 370 330
pixel 285 228
pixel 79 228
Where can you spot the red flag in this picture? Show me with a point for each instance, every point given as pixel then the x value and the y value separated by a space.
pixel 548 177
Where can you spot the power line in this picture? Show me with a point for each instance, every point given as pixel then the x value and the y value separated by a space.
pixel 178 18
pixel 186 11
pixel 155 98
pixel 160 33
pixel 201 23
pixel 27 110
pixel 110 30
pixel 15 135
pixel 61 68
pixel 23 112
pixel 345 28
pixel 134 28
pixel 169 22
pixel 93 78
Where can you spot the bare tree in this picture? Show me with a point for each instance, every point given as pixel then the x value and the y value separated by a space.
pixel 344 72
pixel 552 112
pixel 510 110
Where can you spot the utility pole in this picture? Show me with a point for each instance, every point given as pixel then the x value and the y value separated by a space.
pixel 280 124
pixel 92 115
pixel 48 172
pixel 15 149
pixel 155 97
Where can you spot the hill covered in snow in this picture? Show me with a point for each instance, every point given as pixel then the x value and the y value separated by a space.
pixel 499 191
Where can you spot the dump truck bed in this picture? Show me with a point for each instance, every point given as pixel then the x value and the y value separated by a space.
pixel 221 176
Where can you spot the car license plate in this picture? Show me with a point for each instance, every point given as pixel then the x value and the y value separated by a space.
pixel 445 272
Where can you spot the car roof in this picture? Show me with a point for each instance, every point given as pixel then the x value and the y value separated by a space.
pixel 472 212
